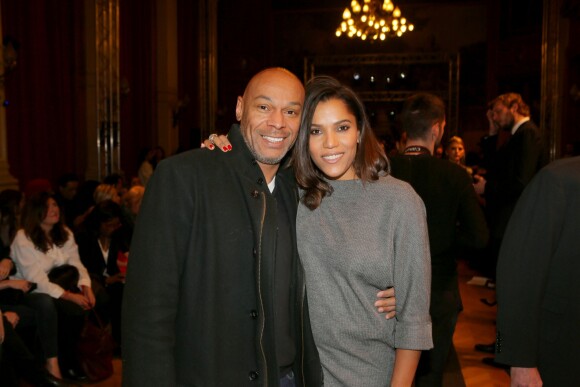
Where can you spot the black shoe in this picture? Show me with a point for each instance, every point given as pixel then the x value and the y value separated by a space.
pixel 490 361
pixel 487 348
pixel 48 380
pixel 75 374
pixel 488 302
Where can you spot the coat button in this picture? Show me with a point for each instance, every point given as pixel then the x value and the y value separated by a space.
pixel 255 252
pixel 253 375
pixel 254 314
pixel 260 181
pixel 255 193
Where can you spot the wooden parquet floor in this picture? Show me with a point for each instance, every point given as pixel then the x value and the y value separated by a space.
pixel 476 324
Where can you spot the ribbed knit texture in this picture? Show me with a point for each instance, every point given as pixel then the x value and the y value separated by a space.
pixel 362 239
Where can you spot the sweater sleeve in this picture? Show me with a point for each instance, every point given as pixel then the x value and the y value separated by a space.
pixel 412 277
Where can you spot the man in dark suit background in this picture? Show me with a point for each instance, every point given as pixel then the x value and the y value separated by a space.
pixel 511 166
pixel 538 286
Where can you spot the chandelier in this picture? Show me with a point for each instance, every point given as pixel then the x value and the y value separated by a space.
pixel 373 20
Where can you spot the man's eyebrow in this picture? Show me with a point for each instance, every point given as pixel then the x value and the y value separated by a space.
pixel 292 103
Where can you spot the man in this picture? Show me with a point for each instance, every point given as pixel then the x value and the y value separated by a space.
pixel 68 185
pixel 454 220
pixel 537 281
pixel 510 166
pixel 215 291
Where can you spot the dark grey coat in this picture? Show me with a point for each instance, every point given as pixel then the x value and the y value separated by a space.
pixel 198 304
pixel 538 278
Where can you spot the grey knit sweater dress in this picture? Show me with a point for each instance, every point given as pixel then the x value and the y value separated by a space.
pixel 362 239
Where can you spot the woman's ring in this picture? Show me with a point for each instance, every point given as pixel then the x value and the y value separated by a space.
pixel 211 137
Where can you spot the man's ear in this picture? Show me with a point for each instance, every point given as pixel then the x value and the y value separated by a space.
pixel 239 108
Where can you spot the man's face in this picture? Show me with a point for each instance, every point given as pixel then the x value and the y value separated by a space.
pixel 502 116
pixel 69 190
pixel 269 114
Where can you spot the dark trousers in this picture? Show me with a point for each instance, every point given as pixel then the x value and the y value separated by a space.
pixel 444 309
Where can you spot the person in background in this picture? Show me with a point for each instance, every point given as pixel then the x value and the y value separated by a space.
pixel 100 246
pixel 454 218
pixel 510 167
pixel 67 187
pixel 42 245
pixel 455 152
pixel 147 165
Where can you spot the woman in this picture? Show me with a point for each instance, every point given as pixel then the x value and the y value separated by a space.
pixel 100 248
pixel 42 245
pixel 455 152
pixel 359 230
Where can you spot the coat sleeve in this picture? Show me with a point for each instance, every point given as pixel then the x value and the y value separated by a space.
pixel 523 267
pixel 151 296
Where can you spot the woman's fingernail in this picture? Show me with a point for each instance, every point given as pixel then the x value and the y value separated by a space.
pixel 211 146
pixel 225 148
pixel 229 147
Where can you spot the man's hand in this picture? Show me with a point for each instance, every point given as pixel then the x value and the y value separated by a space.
pixel 525 377
pixel 493 127
pixel 386 302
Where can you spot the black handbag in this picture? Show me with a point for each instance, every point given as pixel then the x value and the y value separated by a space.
pixel 66 276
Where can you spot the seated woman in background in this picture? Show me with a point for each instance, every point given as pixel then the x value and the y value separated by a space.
pixel 100 247
pixel 42 248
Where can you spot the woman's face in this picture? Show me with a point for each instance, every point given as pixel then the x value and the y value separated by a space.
pixel 52 214
pixel 108 227
pixel 455 152
pixel 333 140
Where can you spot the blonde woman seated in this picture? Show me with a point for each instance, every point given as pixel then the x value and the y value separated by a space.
pixel 44 247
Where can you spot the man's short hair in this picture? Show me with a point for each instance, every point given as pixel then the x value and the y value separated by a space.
pixel 508 100
pixel 64 179
pixel 420 112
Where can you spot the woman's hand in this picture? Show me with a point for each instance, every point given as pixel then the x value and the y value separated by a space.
pixel 19 284
pixel 5 268
pixel 119 277
pixel 89 295
pixel 77 298
pixel 13 318
pixel 220 141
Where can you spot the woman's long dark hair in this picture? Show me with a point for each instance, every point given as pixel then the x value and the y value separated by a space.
pixel 10 210
pixel 33 214
pixel 370 161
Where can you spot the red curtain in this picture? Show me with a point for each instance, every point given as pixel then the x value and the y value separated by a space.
pixel 44 100
pixel 46 121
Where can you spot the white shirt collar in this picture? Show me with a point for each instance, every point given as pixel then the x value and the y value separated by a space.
pixel 272 184
pixel 518 124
